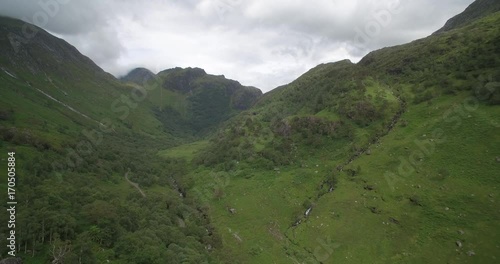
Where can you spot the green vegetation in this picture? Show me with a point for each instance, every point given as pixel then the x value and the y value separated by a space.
pixel 391 160
pixel 76 132
pixel 190 101
pixel 396 156
pixel 187 151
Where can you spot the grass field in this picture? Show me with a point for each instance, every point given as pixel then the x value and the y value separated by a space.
pixel 445 191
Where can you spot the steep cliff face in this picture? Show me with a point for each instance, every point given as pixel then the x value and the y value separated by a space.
pixel 202 100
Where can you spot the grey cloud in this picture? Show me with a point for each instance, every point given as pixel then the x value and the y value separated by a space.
pixel 68 17
pixel 260 43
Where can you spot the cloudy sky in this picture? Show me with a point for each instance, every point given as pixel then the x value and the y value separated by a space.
pixel 257 42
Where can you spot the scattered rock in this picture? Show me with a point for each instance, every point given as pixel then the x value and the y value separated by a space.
pixel 369 188
pixel 471 253
pixel 458 243
pixel 375 210
pixel 237 237
pixel 415 200
pixel 498 159
pixel 446 208
pixel 232 210
pixel 394 220
pixel 491 195
pixel 308 212
pixel 368 152
pixel 461 232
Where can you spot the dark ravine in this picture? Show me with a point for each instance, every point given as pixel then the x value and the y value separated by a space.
pixel 181 192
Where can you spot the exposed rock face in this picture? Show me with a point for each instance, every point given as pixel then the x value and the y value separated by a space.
pixel 195 81
pixel 207 99
pixel 182 80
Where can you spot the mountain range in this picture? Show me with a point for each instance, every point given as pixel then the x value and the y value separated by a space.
pixel 393 159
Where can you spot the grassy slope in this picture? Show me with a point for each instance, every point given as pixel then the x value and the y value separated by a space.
pixel 413 218
pixel 34 119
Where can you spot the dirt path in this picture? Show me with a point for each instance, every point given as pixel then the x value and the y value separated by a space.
pixel 134 184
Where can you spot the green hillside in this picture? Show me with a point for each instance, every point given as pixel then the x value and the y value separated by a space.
pixel 391 160
pixel 85 145
pixel 190 102
pixel 394 159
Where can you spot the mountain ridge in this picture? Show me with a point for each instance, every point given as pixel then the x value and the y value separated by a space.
pixel 475 11
pixel 138 76
pixel 401 148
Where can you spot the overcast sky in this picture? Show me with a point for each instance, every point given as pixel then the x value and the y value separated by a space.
pixel 257 42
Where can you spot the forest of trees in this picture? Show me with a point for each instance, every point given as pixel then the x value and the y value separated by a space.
pixel 89 214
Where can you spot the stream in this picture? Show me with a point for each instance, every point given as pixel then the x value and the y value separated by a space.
pixel 395 119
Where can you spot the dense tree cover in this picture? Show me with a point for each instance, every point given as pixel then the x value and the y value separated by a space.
pixel 334 100
pixel 83 210
pixel 89 214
